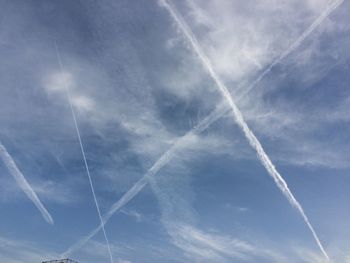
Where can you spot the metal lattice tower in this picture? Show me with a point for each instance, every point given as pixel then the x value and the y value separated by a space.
pixel 60 261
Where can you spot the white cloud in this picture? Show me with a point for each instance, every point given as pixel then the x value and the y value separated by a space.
pixel 58 82
pixel 205 246
pixel 133 213
pixel 202 246
pixel 83 103
pixel 48 190
pixel 264 30
pixel 19 251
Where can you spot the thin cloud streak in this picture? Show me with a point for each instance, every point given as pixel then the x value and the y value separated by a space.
pixel 84 157
pixel 220 110
pixel 23 183
pixel 238 117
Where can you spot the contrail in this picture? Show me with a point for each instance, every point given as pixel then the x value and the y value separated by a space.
pixel 220 110
pixel 23 183
pixel 84 157
pixel 238 117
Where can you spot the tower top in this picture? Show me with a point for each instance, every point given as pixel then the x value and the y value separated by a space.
pixel 60 261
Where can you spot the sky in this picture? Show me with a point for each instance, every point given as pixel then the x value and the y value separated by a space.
pixel 195 131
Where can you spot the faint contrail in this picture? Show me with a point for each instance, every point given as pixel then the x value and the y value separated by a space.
pixel 238 117
pixel 210 119
pixel 84 157
pixel 23 183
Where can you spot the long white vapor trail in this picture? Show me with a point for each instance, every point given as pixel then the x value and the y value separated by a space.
pixel 23 183
pixel 84 157
pixel 206 122
pixel 238 117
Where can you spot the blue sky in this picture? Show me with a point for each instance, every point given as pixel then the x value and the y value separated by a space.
pixel 146 103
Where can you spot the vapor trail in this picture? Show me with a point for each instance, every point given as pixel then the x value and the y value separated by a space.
pixel 238 117
pixel 84 157
pixel 296 43
pixel 220 110
pixel 23 183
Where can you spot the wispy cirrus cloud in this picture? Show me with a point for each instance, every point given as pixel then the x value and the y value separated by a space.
pixel 29 251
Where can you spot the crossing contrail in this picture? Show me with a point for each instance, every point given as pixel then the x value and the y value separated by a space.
pixel 139 185
pixel 84 156
pixel 23 183
pixel 238 117
pixel 220 110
